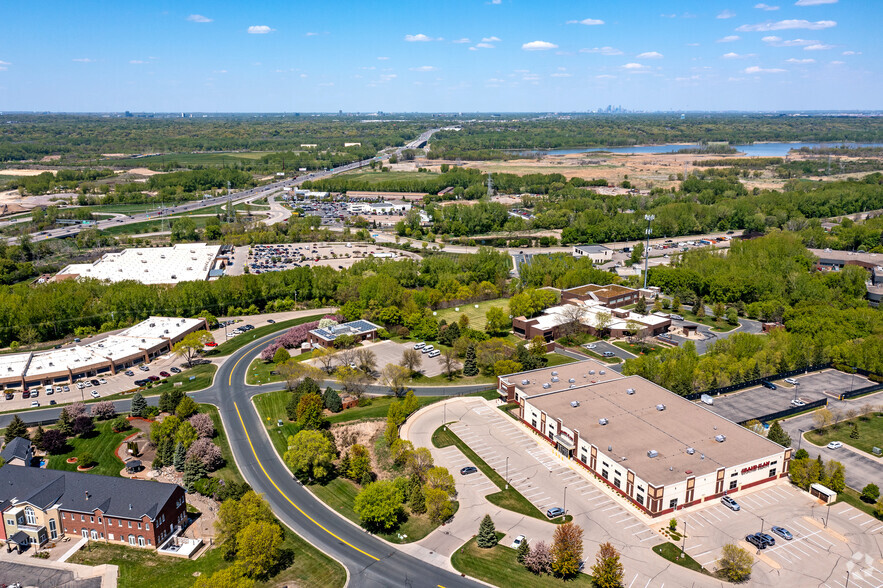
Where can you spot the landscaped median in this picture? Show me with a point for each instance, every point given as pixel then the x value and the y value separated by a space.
pixel 239 341
pixel 508 498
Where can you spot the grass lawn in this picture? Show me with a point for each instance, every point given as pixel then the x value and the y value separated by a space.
pixel 259 370
pixel 853 498
pixel 229 472
pixel 141 568
pixel 673 553
pixel 375 177
pixel 186 159
pixel 153 226
pixel 870 431
pixel 718 327
pixel 202 374
pixel 508 498
pixel 101 443
pixel 638 348
pixel 499 566
pixel 476 316
pixel 236 343
pixel 598 356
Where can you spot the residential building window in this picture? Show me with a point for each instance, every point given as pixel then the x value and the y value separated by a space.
pixel 616 482
pixel 110 536
pixel 772 472
pixel 10 522
pixel 53 531
pixel 604 474
pixel 62 515
pixel 140 541
pixel 673 503
pixel 146 526
pixel 734 474
pixel 82 518
pixel 130 524
pixel 733 484
pixel 139 525
pixel 120 522
pixel 91 519
pixel 94 534
pixel 533 423
pixel 30 516
pixel 640 499
pixel 582 457
pixel 131 540
pixel 99 519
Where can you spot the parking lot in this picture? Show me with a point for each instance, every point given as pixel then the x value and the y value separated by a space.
pixel 759 401
pixel 285 256
pixel 391 352
pixel 816 556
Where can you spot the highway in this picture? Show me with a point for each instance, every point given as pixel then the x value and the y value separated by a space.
pixel 371 562
pixel 196 205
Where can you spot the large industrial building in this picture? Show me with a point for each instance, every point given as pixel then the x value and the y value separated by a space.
pixel 619 321
pixel 138 344
pixel 152 265
pixel 653 447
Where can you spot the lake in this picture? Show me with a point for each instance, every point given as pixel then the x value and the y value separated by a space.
pixel 754 150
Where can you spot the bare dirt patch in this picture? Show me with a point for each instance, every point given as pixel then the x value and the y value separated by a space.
pixel 143 171
pixel 364 433
pixel 51 158
pixel 26 172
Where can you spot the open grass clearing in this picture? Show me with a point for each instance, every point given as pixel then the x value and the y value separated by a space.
pixel 477 318
pixel 261 372
pixel 101 443
pixel 376 177
pixel 638 348
pixel 852 497
pixel 870 429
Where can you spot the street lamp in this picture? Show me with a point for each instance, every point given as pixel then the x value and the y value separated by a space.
pixel 507 472
pixel 649 218
pixel 799 439
pixel 828 516
pixel 684 544
pixel 565 501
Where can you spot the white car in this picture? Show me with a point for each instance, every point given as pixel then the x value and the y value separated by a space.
pixel 419 345
pixel 427 349
pixel 102 381
pixel 34 404
pixel 81 385
pixel 94 393
pixel 835 445
pixel 796 402
pixel 518 541
pixel 590 346
pixel 58 389
pixel 791 381
pixel 48 390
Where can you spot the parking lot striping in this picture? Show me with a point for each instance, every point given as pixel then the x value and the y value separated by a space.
pixel 874 530
pixel 856 516
pixel 706 520
pixel 781 493
pixel 868 522
pixel 633 580
pixel 632 526
pixel 610 507
pixel 693 521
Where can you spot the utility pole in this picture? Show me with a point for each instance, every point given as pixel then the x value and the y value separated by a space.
pixel 649 218
pixel 229 204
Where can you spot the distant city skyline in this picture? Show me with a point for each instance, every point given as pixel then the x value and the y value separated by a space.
pixel 459 56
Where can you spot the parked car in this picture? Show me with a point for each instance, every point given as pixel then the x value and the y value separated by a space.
pixel 835 445
pixel 677 317
pixel 87 383
pixel 143 368
pixel 518 541
pixel 468 470
pixel 81 385
pixel 271 321
pixel 35 404
pixel 26 394
pixel 591 346
pixel 768 384
pixel 35 393
pixel 9 396
pixel 141 382
pixel 555 511
pixel 66 389
pixel 730 503
pixel 48 389
pixel 427 349
pixel 797 402
pixel 792 381
pixel 94 394
pixel 767 539
pixel 164 374
pixel 211 344
pixel 782 532
pixel 175 370
pixel 52 403
pixel 97 382
pixel 153 378
pixel 130 373
pixel 419 345
pixel 755 541
pixel 608 354
pixel 434 353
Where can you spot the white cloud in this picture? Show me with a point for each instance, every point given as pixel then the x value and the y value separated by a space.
pixel 814 2
pixel 852 53
pixel 800 61
pixel 602 50
pixel 778 42
pixel 633 66
pixel 668 16
pixel 387 77
pixel 259 30
pixel 726 14
pixel 491 40
pixel 418 38
pixel 311 34
pixel 818 47
pixel 729 39
pixel 767 7
pixel 198 18
pixel 732 55
pixel 837 62
pixel 561 75
pixel 463 40
pixel 3 65
pixel 539 46
pixel 692 44
pixel 327 84
pixel 605 77
pixel 587 21
pixel 788 24
pixel 136 62
pixel 650 55
pixel 220 71
pixel 424 68
pixel 304 75
pixel 383 58
pixel 496 1
pixel 83 60
pixel 483 46
pixel 754 69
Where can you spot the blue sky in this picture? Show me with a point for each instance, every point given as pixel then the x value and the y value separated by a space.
pixel 456 55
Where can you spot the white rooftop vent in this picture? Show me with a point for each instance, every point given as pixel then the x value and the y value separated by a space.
pixel 630 391
pixel 163 256
pixel 525 382
pixel 591 372
pixel 574 403
pixel 554 373
pixel 573 385
pixel 555 378
pixel 152 325
pixel 720 438
pixel 601 373
pixel 572 380
pixel 652 453
pixel 660 407
pixel 690 451
pixel 546 386
pixel 602 421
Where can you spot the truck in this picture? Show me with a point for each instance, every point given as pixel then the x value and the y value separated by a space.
pixel 705 398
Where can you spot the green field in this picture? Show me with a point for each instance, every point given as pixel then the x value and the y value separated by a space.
pixel 101 443
pixel 719 327
pixel 186 159
pixel 202 374
pixel 499 566
pixel 870 431
pixel 476 316
pixel 639 348
pixel 376 177
pixel 259 370
pixel 673 553
pixel 154 226
pixel 853 498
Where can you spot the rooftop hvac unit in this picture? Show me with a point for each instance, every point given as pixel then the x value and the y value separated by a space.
pixel 573 385
pixel 591 372
pixel 555 378
pixel 630 391
pixel 602 421
pixel 572 380
pixel 554 373
pixel 690 451
pixel 166 331
pixel 152 325
pixel 601 373
pixel 51 364
pixel 652 453
pixel 163 256
pixel 660 407
pixel 574 403
pixel 546 386
pixel 525 382
pixel 720 438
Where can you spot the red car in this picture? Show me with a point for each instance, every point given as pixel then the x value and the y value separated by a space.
pixel 165 374
pixel 153 378
pixel 211 344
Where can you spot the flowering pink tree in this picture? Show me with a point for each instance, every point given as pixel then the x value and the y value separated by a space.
pixel 203 424
pixel 292 338
pixel 75 410
pixel 206 452
pixel 104 410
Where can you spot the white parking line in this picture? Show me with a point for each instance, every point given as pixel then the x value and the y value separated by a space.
pixel 875 529
pixel 610 508
pixel 856 516
pixel 632 526
pixel 633 580
pixel 868 522
pixel 693 521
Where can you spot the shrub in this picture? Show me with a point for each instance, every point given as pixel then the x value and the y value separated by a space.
pixel 82 425
pixel 120 424
pixel 203 424
pixel 207 486
pixel 870 493
pixel 85 459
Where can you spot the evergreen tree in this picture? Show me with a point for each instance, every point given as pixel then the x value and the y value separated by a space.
pixel 194 470
pixel 417 503
pixel 16 428
pixel 487 533
pixel 854 434
pixel 607 571
pixel 180 457
pixel 778 435
pixel 522 552
pixel 65 423
pixel 138 404
pixel 169 400
pixel 641 306
pixel 344 467
pixel 470 366
pixel 676 305
pixel 699 308
pixel 525 357
pixel 38 436
pixel 332 400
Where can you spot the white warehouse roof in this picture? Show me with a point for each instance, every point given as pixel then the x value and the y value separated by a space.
pixel 151 265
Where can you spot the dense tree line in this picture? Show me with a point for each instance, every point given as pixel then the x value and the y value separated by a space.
pixel 65 179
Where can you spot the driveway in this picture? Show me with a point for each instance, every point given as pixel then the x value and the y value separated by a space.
pixel 708 336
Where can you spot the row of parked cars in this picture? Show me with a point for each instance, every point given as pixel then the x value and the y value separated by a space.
pixel 239 330
pixel 759 540
pixel 430 350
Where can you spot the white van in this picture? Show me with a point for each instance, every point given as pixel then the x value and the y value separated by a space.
pixel 427 349
pixel 707 399
pixel 435 353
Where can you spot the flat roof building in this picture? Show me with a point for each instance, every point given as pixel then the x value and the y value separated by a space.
pixel 611 295
pixel 551 323
pixel 657 449
pixel 597 253
pixel 150 265
pixel 361 330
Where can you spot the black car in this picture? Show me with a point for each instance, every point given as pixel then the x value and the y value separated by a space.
pixel 468 470
pixel 767 539
pixel 141 382
pixel 753 539
pixel 271 321
pixel 95 382
pixel 768 384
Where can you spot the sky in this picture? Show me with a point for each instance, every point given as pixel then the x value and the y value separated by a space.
pixel 449 56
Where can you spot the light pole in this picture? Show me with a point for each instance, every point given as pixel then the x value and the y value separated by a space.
pixel 684 544
pixel 761 525
pixel 799 439
pixel 507 472
pixel 565 501
pixel 847 579
pixel 828 516
pixel 649 218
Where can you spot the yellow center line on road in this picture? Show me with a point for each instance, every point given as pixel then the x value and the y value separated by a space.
pixel 314 521
pixel 233 369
